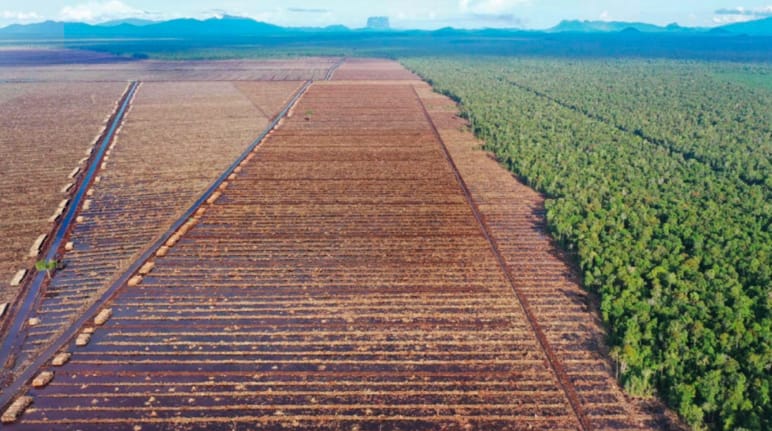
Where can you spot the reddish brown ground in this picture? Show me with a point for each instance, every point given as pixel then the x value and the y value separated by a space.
pixel 339 282
pixel 25 57
pixel 37 154
pixel 372 70
pixel 152 70
pixel 176 139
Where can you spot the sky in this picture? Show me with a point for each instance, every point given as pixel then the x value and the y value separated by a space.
pixel 422 14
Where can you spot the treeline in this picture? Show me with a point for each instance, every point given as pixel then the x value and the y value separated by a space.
pixel 679 253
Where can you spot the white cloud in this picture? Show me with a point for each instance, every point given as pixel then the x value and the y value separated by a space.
pixel 731 19
pixel 741 14
pixel 20 17
pixel 95 12
pixel 760 12
pixel 489 6
pixel 605 16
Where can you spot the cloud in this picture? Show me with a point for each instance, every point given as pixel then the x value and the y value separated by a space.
pixel 95 12
pixel 731 19
pixel 741 14
pixel 489 7
pixel 761 12
pixel 304 10
pixel 497 20
pixel 605 16
pixel 488 13
pixel 20 17
pixel 215 13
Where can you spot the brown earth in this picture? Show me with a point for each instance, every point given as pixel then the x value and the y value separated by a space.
pixel 25 57
pixel 153 70
pixel 176 139
pixel 39 152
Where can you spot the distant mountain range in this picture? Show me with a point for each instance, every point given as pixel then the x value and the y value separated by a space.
pixel 177 28
pixel 131 21
pixel 758 27
pixel 575 26
pixel 762 27
pixel 232 26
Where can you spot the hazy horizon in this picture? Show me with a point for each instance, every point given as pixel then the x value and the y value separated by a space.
pixel 527 14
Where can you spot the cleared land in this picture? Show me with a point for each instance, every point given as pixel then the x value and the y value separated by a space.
pixel 372 70
pixel 150 70
pixel 39 153
pixel 348 276
pixel 176 139
pixel 16 57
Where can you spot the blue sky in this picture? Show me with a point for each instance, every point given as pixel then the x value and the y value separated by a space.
pixel 426 14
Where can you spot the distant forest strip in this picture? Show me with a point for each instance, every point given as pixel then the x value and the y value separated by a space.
pixel 445 42
pixel 679 250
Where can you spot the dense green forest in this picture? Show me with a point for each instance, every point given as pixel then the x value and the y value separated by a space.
pixel 658 178
pixel 671 104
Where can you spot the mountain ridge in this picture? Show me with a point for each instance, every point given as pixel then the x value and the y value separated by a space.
pixel 616 26
pixel 234 26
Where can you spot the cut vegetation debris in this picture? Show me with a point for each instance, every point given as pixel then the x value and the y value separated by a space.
pixel 146 268
pixel 61 358
pixel 43 379
pixel 35 249
pixel 55 216
pixel 83 339
pixel 18 277
pixel 212 199
pixel 103 316
pixel 16 409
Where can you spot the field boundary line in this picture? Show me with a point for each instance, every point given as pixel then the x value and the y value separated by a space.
pixel 29 299
pixel 557 367
pixel 331 71
pixel 18 384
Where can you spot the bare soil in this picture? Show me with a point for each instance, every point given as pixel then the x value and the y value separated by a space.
pixel 46 130
pixel 175 140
